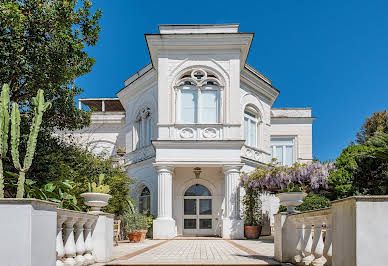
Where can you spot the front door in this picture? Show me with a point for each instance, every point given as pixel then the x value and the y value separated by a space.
pixel 198 218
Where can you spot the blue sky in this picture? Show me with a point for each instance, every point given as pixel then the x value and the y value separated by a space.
pixel 328 55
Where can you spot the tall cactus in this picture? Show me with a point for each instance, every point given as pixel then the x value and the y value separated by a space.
pixel 4 128
pixel 40 106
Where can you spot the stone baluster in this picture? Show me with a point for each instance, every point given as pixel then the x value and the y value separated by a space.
pixel 327 250
pixel 308 244
pixel 60 249
pixel 318 245
pixel 79 241
pixel 88 241
pixel 70 248
pixel 299 246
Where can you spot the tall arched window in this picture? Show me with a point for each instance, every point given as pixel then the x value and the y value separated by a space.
pixel 143 128
pixel 198 97
pixel 251 125
pixel 145 201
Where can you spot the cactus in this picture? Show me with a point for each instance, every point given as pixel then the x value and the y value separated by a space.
pixel 40 106
pixel 100 188
pixel 4 128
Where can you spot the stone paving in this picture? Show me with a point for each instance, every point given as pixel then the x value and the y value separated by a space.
pixel 195 251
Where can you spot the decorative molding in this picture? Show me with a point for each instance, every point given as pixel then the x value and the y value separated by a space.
pixel 252 154
pixel 140 155
pixel 209 133
pixel 186 133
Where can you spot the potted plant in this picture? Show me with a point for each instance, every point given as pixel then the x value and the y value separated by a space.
pixel 253 217
pixel 120 151
pixel 98 196
pixel 291 197
pixel 136 225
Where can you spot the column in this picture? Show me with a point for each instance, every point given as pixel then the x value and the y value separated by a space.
pixel 232 225
pixel 164 226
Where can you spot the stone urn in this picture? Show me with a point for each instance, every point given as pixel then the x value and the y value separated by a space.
pixel 291 200
pixel 96 200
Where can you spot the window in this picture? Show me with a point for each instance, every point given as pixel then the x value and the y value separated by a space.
pixel 143 128
pixel 198 98
pixel 145 201
pixel 283 150
pixel 250 127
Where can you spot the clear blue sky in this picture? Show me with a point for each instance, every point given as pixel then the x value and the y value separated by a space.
pixel 328 55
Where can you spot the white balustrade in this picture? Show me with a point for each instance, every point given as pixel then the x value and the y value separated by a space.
pixel 307 238
pixel 76 247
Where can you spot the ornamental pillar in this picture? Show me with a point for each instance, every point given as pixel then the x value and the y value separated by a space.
pixel 164 226
pixel 232 225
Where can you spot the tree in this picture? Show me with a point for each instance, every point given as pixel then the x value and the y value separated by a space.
pixel 378 122
pixel 358 172
pixel 42 46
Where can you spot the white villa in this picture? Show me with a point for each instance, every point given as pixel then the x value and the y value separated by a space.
pixel 190 122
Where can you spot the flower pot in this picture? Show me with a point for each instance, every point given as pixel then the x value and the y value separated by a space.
pixel 252 231
pixel 96 200
pixel 143 234
pixel 291 200
pixel 136 237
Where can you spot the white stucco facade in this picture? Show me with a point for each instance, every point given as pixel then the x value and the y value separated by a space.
pixel 197 105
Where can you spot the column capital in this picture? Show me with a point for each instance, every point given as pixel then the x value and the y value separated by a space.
pixel 232 168
pixel 164 168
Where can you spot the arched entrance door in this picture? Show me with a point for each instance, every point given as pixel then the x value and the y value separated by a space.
pixel 198 217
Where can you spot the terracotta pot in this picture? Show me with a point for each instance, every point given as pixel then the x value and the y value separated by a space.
pixel 135 237
pixel 143 234
pixel 252 231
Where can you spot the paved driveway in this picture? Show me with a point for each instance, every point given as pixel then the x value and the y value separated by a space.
pixel 196 251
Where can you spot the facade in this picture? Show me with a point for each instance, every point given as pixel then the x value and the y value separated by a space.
pixel 190 122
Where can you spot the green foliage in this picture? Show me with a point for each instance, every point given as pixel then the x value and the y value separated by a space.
pixel 311 202
pixel 40 106
pixel 358 173
pixel 378 122
pixel 4 128
pixel 133 221
pixel 42 45
pixel 62 159
pixel 252 212
pixel 100 188
pixel 380 142
pixel 292 188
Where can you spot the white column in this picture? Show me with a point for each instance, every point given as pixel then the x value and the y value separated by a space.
pixel 79 241
pixel 232 225
pixel 70 249
pixel 88 241
pixel 60 249
pixel 164 225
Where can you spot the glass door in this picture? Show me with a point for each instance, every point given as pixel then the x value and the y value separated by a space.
pixel 197 211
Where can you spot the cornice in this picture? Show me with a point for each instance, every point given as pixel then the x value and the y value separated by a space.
pixel 195 41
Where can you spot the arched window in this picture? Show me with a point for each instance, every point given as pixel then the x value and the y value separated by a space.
pixel 251 123
pixel 143 128
pixel 145 201
pixel 198 97
pixel 197 190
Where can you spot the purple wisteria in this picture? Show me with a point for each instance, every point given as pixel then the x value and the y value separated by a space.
pixel 311 176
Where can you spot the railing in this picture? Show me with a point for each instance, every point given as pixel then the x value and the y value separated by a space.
pixel 37 233
pixel 351 232
pixel 74 244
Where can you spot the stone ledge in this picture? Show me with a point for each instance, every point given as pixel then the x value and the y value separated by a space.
pixel 362 198
pixel 27 201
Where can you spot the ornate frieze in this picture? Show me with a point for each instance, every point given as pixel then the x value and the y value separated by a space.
pixel 252 154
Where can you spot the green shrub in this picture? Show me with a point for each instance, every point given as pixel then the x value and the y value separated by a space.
pixel 311 202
